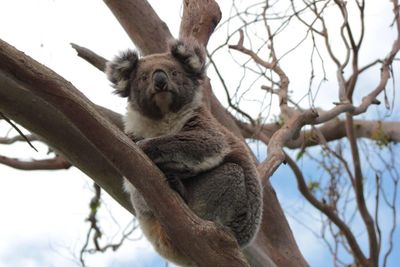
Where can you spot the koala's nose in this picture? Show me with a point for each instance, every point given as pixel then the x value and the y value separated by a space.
pixel 160 79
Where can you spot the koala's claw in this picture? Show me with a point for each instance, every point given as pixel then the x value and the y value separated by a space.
pixel 176 184
pixel 141 143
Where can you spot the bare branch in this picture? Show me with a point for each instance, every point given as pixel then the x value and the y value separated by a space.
pixel 91 57
pixel 359 190
pixel 379 131
pixel 18 130
pixel 274 66
pixel 328 211
pixel 195 24
pixel 234 107
pixel 56 163
pixel 94 206
pixel 385 70
pixel 17 138
pixel 147 31
pixel 289 131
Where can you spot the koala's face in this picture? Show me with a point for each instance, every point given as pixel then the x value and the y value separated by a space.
pixel 161 83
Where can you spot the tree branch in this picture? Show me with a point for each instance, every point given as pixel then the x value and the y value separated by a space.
pixel 56 163
pixel 199 20
pixel 119 151
pixel 328 211
pixel 98 61
pixel 278 140
pixel 147 31
pixel 359 192
pixel 379 131
pixel 17 138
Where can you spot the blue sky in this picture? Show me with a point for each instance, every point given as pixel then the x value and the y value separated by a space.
pixel 294 205
pixel 43 212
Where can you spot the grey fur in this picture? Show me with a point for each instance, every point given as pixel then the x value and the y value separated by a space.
pixel 120 69
pixel 207 165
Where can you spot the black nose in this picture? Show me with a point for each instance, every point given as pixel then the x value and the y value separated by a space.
pixel 160 79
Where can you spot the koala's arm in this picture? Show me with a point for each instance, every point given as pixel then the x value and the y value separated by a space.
pixel 186 153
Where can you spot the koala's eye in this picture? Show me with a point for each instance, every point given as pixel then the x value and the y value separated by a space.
pixel 143 78
pixel 174 73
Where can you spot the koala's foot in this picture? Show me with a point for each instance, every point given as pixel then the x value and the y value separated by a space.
pixel 176 184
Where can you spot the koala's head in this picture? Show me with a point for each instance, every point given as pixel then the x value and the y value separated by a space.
pixel 160 83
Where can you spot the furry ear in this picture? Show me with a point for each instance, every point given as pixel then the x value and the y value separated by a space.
pixel 191 54
pixel 119 71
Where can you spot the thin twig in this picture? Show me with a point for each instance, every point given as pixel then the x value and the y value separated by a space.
pixel 18 130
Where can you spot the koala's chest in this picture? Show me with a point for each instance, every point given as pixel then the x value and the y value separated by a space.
pixel 142 127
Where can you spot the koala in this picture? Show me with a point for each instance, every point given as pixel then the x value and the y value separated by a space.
pixel 202 161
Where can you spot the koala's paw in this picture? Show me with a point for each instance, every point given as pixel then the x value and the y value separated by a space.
pixel 149 148
pixel 119 70
pixel 142 143
pixel 176 184
pixel 190 54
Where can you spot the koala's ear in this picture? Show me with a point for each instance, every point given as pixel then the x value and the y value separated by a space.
pixel 191 54
pixel 119 71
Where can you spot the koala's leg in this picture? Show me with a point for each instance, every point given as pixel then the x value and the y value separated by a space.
pixel 155 233
pixel 153 230
pixel 222 195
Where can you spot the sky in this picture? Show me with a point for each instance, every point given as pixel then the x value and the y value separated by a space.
pixel 43 213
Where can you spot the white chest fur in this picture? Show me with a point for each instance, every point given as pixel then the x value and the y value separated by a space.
pixel 143 127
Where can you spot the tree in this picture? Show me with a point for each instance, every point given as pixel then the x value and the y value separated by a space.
pixel 76 129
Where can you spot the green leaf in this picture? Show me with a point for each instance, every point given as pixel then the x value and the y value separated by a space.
pixel 300 154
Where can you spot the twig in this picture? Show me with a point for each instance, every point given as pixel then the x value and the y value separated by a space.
pixel 56 163
pixel 12 140
pixel 328 211
pixel 18 130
